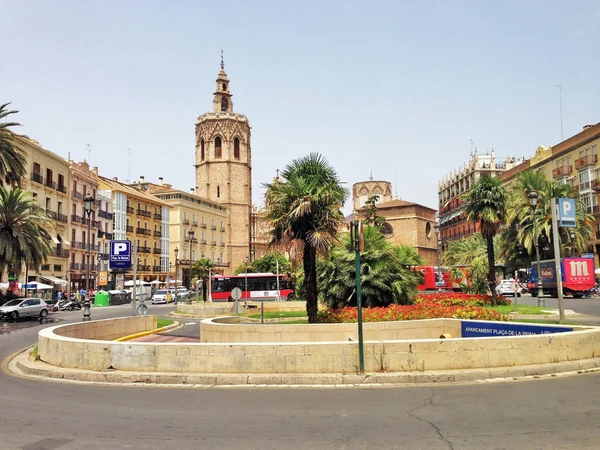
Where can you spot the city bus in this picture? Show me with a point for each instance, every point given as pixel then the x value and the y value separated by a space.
pixel 254 286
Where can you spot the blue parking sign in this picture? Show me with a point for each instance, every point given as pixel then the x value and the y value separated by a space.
pixel 566 213
pixel 120 254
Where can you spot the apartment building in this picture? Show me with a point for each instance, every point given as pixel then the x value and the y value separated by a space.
pixel 144 220
pixel 197 229
pixel 47 180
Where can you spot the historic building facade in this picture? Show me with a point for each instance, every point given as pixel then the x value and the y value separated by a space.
pixel 224 168
pixel 364 190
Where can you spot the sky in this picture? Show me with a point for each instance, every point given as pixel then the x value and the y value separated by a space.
pixel 401 90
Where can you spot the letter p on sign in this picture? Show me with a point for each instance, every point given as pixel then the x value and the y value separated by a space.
pixel 120 248
pixel 566 212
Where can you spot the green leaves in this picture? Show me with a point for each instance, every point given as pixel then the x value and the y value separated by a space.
pixel 12 157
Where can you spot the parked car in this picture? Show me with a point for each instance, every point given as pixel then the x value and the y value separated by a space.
pixel 182 292
pixel 509 287
pixel 160 296
pixel 24 307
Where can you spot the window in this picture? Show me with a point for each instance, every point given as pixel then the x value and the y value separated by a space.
pixel 37 168
pixel 224 86
pixel 218 150
pixel 224 104
pixel 202 149
pixel 218 191
pixel 236 148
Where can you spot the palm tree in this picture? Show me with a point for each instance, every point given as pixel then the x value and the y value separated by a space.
pixel 386 275
pixel 24 236
pixel 469 254
pixel 202 269
pixel 486 204
pixel 303 210
pixel 12 157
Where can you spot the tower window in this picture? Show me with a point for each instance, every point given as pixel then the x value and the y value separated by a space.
pixel 217 147
pixel 218 191
pixel 202 149
pixel 224 104
pixel 236 148
pixel 224 86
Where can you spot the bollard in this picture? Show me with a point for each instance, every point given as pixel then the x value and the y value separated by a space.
pixel 262 312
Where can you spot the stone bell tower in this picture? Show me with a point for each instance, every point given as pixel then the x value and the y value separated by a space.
pixel 224 169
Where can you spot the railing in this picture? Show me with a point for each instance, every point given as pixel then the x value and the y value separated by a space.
pixel 144 231
pixel 51 213
pixel 105 256
pixel 62 218
pixel 223 229
pixel 202 225
pixel 213 243
pixel 588 160
pixel 129 229
pixel 222 244
pixel 144 268
pixel 76 194
pixel 62 188
pixel 104 214
pixel 77 219
pixel 130 210
pixel 156 251
pixel 157 234
pixel 596 209
pixel 62 253
pixel 194 240
pixel 38 178
pixel 203 241
pixel 141 212
pixel 194 223
pixel 186 221
pixel 157 216
pixel 96 223
pixel 561 171
pixel 144 249
pixel 213 227
pixel 75 266
pixel 50 184
pixel 156 269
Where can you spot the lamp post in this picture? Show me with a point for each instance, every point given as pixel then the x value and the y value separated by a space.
pixel 533 198
pixel 176 251
pixel 191 236
pixel 572 233
pixel 439 282
pixel 89 203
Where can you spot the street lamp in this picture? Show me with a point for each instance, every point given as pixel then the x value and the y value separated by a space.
pixel 89 203
pixel 436 227
pixel 572 233
pixel 533 198
pixel 191 236
pixel 176 251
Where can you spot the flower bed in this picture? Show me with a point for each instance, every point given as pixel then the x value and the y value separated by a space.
pixel 427 306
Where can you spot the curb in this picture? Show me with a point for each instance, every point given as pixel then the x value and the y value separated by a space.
pixel 22 366
pixel 146 333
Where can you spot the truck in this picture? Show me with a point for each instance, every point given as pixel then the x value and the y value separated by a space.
pixel 577 277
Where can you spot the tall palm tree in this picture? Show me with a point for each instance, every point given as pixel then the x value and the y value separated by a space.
pixel 386 275
pixel 202 269
pixel 24 236
pixel 470 254
pixel 12 157
pixel 486 204
pixel 303 210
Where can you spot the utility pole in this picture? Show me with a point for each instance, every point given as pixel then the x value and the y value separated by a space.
pixel 562 134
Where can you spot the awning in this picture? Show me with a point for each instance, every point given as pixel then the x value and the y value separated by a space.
pixel 55 240
pixel 54 280
pixel 64 241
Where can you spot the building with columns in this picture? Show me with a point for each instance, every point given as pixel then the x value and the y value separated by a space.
pixel 224 168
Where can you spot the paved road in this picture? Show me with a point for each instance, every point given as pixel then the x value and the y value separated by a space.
pixel 542 414
pixel 590 307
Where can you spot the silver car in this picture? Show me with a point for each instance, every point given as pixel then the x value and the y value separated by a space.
pixel 24 307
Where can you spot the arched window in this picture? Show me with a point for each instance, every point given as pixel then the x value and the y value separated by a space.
pixel 224 104
pixel 202 149
pixel 224 86
pixel 236 148
pixel 217 147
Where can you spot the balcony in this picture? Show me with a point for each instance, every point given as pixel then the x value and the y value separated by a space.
pixel 596 184
pixel 223 229
pixel 95 223
pixel 202 225
pixel 594 209
pixel 156 251
pixel 77 195
pixel 103 214
pixel 61 188
pixel 130 210
pixel 62 253
pixel 157 216
pixel 203 241
pixel 586 161
pixel 76 219
pixel 75 266
pixel 141 212
pixel 222 244
pixel 104 256
pixel 144 268
pixel 213 227
pixel 157 234
pixel 62 218
pixel 156 269
pixel 37 177
pixel 144 249
pixel 562 171
pixel 51 213
pixel 213 243
pixel 194 223
pixel 51 184
pixel 186 221
pixel 144 231
pixel 194 240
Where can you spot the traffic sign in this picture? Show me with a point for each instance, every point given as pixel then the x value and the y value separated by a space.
pixel 566 213
pixel 120 254
pixel 236 293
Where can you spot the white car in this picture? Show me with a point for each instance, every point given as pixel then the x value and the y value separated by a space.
pixel 24 307
pixel 160 296
pixel 509 287
pixel 181 292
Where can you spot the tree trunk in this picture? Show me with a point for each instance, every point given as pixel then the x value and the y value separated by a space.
pixel 310 282
pixel 489 240
pixel 204 289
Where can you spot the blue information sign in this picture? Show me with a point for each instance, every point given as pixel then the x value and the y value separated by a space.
pixel 566 213
pixel 120 254
pixel 473 328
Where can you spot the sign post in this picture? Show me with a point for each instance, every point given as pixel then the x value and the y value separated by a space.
pixel 563 209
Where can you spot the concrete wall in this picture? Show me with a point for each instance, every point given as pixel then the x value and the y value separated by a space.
pixel 216 309
pixel 223 330
pixel 307 357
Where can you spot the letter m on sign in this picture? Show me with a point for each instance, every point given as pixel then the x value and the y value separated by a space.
pixel 579 268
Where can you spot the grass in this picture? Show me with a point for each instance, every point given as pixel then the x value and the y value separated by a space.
pixel 164 323
pixel 278 314
pixel 34 353
pixel 521 309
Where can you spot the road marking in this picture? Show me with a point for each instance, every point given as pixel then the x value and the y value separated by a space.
pixel 190 323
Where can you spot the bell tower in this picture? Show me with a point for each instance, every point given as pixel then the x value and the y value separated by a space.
pixel 224 172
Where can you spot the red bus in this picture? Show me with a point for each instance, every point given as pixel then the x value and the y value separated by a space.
pixel 254 286
pixel 434 278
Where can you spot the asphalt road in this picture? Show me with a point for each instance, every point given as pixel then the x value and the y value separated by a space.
pixel 556 413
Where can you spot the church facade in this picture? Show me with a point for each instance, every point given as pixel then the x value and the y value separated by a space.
pixel 223 164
